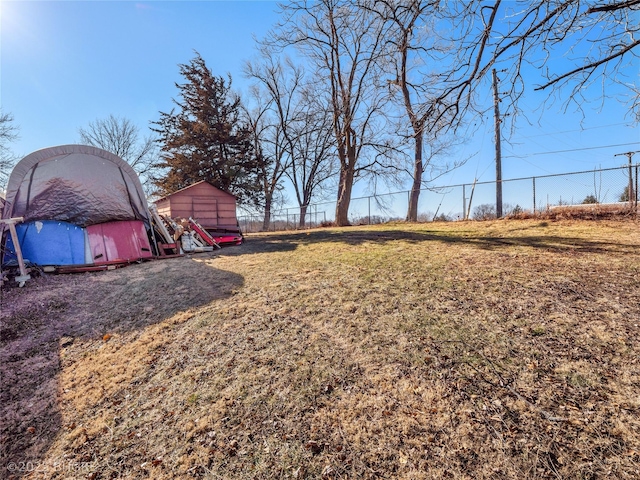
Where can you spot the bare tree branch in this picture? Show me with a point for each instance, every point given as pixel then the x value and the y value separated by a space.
pixel 8 134
pixel 590 66
pixel 122 138
pixel 519 33
pixel 613 6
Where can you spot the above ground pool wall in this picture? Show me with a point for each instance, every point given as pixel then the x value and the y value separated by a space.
pixel 48 242
pixel 54 243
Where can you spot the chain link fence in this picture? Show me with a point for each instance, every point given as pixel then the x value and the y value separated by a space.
pixel 603 187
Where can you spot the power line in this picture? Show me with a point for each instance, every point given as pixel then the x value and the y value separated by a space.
pixel 572 150
pixel 537 166
pixel 571 131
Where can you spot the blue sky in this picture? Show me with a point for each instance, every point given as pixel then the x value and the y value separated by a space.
pixel 67 63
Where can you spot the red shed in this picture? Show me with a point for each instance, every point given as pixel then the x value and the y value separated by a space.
pixel 211 207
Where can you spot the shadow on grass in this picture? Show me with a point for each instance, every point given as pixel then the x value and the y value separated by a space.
pixel 282 242
pixel 40 320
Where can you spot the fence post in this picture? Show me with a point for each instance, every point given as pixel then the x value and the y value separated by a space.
pixel 630 192
pixel 464 202
pixel 534 195
pixel 369 202
pixel 637 188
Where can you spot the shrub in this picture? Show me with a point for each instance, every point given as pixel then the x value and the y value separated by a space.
pixel 486 211
pixel 442 218
pixel 624 196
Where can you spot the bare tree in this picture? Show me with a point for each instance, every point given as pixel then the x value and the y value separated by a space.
pixel 122 138
pixel 8 134
pixel 270 153
pixel 413 54
pixel 313 151
pixel 344 44
pixel 488 33
pixel 279 85
pixel 300 129
pixel 405 20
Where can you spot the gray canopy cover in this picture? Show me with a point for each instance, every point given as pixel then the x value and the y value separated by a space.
pixel 78 184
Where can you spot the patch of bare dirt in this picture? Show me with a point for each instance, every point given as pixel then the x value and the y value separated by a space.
pixel 54 316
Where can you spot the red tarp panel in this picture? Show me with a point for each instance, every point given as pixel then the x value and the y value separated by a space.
pixel 113 241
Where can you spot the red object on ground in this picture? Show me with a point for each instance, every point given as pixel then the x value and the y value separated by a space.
pixel 206 236
pixel 228 239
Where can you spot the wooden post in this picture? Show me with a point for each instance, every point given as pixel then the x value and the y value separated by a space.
pixel 473 188
pixel 496 108
pixel 635 196
pixel 630 189
pixel 631 194
pixel 24 275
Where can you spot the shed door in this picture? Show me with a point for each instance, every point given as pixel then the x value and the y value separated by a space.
pixel 205 211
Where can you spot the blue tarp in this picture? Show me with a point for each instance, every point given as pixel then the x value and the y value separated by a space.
pixel 48 242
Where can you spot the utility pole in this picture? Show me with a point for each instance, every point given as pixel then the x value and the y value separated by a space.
pixel 496 109
pixel 630 191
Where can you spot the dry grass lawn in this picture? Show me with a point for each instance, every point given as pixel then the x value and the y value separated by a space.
pixel 502 350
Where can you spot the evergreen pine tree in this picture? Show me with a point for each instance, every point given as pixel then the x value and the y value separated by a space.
pixel 204 139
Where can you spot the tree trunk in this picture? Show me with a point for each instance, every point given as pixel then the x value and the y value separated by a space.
pixel 344 196
pixel 266 223
pixel 412 213
pixel 348 158
pixel 303 215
